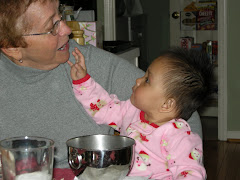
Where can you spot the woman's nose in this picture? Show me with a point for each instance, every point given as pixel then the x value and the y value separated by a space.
pixel 64 29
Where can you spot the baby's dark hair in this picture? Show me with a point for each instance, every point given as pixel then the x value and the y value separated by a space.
pixel 189 80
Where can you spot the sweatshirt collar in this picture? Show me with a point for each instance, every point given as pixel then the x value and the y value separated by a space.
pixel 143 120
pixel 21 73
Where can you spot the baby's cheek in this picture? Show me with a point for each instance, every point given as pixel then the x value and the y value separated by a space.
pixel 133 98
pixel 137 96
pixel 138 93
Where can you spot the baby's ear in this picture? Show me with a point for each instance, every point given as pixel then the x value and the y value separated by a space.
pixel 15 53
pixel 169 105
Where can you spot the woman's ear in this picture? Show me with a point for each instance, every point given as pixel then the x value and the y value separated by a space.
pixel 169 105
pixel 13 53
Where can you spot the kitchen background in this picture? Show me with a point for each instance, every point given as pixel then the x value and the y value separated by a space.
pixel 153 36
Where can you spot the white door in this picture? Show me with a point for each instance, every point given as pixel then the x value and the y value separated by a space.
pixel 188 29
pixel 176 6
pixel 219 109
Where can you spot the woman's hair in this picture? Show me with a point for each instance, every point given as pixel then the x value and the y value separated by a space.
pixel 189 79
pixel 13 22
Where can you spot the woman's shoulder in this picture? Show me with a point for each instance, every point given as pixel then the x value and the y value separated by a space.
pixel 94 55
pixel 72 44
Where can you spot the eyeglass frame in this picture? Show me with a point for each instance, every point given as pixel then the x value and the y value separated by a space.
pixel 55 25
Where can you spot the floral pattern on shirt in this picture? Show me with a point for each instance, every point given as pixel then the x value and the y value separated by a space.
pixel 142 161
pixel 95 107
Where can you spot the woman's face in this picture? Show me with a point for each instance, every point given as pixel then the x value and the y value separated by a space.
pixel 45 51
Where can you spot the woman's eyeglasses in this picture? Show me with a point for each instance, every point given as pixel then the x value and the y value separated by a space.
pixel 54 30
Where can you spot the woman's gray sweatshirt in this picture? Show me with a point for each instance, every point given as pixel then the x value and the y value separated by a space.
pixel 41 103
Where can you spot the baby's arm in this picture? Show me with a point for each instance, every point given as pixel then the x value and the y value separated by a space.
pixel 78 70
pixel 102 107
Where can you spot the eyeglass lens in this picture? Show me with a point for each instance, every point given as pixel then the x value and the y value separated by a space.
pixel 55 28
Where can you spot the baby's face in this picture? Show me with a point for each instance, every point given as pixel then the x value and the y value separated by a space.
pixel 148 92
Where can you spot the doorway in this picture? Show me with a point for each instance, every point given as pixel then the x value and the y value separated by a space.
pixel 158 27
pixel 158 40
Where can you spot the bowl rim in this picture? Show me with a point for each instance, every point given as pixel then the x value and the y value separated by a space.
pixel 95 149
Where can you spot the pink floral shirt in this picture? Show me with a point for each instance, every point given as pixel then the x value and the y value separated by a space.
pixel 170 151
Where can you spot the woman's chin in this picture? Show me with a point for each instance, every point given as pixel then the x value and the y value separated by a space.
pixel 62 58
pixel 59 60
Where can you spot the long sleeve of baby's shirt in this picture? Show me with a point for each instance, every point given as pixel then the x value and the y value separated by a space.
pixel 102 107
pixel 183 151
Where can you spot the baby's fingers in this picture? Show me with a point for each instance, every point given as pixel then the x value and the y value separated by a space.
pixel 79 53
pixel 81 57
pixel 70 63
pixel 77 58
pixel 78 67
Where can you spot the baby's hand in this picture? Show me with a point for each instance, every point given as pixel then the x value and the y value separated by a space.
pixel 78 70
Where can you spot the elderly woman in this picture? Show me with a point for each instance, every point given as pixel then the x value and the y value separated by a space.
pixel 36 96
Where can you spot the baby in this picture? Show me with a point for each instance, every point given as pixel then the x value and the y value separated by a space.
pixel 173 87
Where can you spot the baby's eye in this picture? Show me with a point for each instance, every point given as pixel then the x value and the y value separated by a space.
pixel 146 80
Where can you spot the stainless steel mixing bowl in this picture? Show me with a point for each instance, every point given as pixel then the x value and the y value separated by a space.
pixel 101 156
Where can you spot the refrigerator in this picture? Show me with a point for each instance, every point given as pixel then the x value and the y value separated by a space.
pixel 126 25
